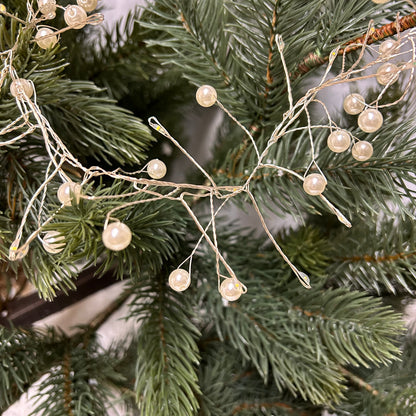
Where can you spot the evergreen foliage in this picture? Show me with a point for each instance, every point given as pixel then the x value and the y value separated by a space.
pixel 281 349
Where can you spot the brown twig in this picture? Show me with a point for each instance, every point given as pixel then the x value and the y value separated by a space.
pixel 269 405
pixel 313 60
pixel 359 381
pixel 67 389
pixel 379 259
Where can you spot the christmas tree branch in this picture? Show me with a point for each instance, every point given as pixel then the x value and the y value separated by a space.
pixel 313 60
pixel 220 70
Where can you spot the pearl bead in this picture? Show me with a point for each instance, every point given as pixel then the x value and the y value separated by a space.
pixel 231 289
pixel 362 151
pixel 354 104
pixel 52 242
pixel 370 120
pixel 380 1
pixel 21 87
pixel 314 184
pixel 88 5
pixel 206 96
pixel 117 236
pixel 47 6
pixel 156 169
pixel 44 39
pixel 75 16
pixel 67 191
pixel 339 141
pixel 387 74
pixel 179 280
pixel 388 47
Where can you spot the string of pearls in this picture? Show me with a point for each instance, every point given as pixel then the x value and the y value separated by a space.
pixel 116 235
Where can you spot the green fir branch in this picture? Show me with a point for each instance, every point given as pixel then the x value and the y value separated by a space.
pixel 22 361
pixel 376 255
pixel 296 337
pixel 78 382
pixel 167 355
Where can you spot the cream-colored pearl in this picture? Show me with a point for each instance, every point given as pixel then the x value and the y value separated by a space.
pixel 53 242
pixel 388 47
pixel 231 289
pixel 67 191
pixel 44 38
pixel 75 16
pixel 21 87
pixel 179 280
pixel 117 236
pixel 339 141
pixel 380 1
pixel 362 151
pixel 387 74
pixel 156 169
pixel 206 96
pixel 370 120
pixel 354 104
pixel 88 5
pixel 314 184
pixel 47 6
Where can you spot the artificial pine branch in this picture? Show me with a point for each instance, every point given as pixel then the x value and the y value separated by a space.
pixel 166 379
pixel 378 255
pixel 400 25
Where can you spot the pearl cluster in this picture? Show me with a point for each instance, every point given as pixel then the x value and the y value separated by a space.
pixel 230 289
pixel 369 121
pixel 75 17
pixel 46 37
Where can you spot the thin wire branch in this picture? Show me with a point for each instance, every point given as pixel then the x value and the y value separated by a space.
pixel 155 190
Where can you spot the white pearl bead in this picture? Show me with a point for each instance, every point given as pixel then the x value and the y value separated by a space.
pixel 179 280
pixel 231 289
pixel 67 191
pixel 117 236
pixel 370 120
pixel 21 87
pixel 206 96
pixel 362 151
pixel 314 184
pixel 156 169
pixel 88 5
pixel 354 104
pixel 339 141
pixel 75 16
pixel 53 242
pixel 47 6
pixel 388 47
pixel 387 74
pixel 44 38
